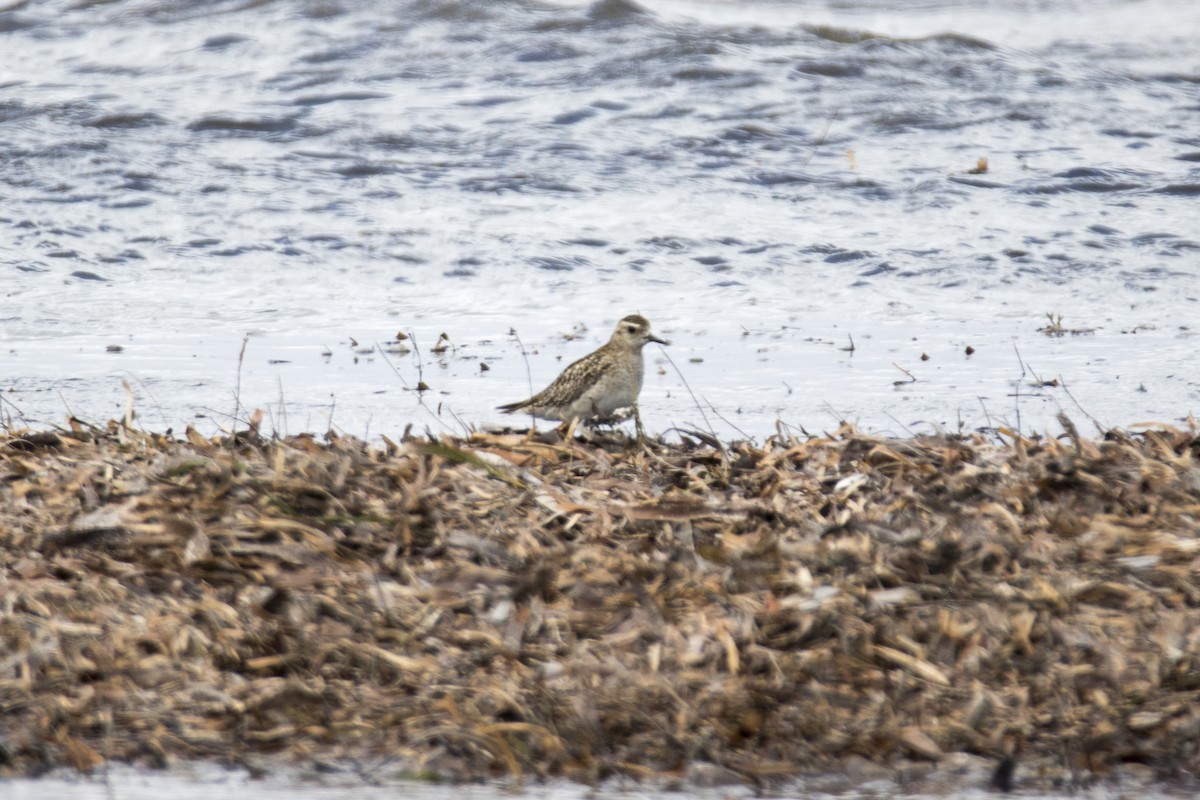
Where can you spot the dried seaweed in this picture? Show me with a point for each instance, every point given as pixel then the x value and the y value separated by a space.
pixel 499 606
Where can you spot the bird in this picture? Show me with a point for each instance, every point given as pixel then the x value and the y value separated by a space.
pixel 600 387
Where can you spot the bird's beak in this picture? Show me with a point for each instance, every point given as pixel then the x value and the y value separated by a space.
pixel 650 337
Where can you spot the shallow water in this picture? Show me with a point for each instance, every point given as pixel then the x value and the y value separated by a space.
pixel 766 182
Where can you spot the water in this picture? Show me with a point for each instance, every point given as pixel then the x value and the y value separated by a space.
pixel 767 182
pixel 201 782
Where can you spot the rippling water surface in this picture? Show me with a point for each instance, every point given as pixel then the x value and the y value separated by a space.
pixel 770 183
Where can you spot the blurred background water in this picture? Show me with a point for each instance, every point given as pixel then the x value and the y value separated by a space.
pixel 768 182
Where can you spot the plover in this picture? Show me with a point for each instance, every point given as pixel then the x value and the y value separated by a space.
pixel 602 386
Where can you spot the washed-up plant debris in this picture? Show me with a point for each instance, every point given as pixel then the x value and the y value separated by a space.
pixel 499 606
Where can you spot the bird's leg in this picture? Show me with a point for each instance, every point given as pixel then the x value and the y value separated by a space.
pixel 637 423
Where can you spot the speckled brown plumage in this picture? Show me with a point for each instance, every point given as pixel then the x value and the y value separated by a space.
pixel 601 384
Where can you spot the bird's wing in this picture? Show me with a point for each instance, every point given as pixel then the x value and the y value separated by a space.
pixel 570 385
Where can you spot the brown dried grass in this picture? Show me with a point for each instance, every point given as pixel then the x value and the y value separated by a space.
pixel 496 606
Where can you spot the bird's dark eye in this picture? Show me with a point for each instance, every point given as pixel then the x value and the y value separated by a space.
pixel 631 329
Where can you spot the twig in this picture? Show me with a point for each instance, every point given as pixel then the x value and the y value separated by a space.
pixel 1100 428
pixel 784 430
pixel 1038 382
pixel 237 392
pixel 282 405
pixel 1017 386
pixel 911 378
pixel 70 413
pixel 1017 398
pixel 275 435
pixel 721 417
pixel 820 141
pixel 404 383
pixel 1020 361
pixel 214 413
pixel 466 428
pixel 833 412
pixel 8 418
pixel 388 361
pixel 412 337
pixel 987 415
pixel 699 407
pixel 146 389
pixel 907 430
pixel 528 372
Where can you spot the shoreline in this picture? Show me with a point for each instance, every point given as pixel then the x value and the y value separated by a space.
pixel 494 606
pixel 967 778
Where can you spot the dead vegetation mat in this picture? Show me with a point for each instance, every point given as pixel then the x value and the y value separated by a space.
pixel 488 606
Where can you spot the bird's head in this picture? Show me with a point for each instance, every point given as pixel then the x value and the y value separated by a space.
pixel 634 331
